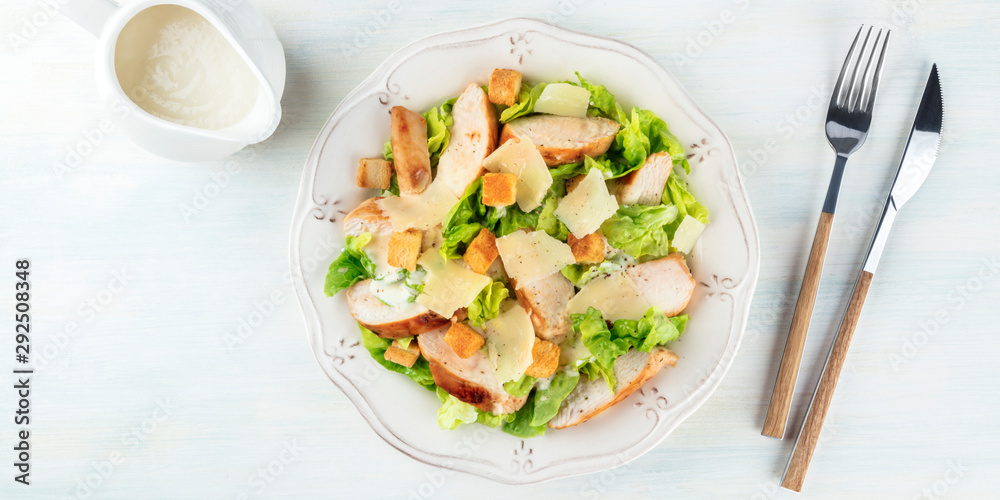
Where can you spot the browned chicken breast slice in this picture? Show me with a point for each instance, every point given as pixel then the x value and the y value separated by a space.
pixel 473 138
pixel 411 159
pixel 591 397
pixel 645 185
pixel 388 321
pixel 367 218
pixel 471 380
pixel 665 283
pixel 563 139
pixel 546 300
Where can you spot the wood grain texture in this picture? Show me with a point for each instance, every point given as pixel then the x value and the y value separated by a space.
pixel 805 445
pixel 791 358
pixel 208 324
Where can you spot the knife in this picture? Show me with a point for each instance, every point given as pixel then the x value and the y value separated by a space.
pixel 918 158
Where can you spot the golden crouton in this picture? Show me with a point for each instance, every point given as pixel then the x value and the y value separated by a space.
pixel 404 248
pixel 572 182
pixel 505 86
pixel 406 357
pixel 544 359
pixel 374 173
pixel 499 190
pixel 464 340
pixel 589 249
pixel 481 252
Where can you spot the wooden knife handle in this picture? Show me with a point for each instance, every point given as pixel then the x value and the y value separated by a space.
pixel 805 445
pixel 788 371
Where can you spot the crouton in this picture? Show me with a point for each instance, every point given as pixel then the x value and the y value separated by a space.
pixel 505 86
pixel 404 248
pixel 374 173
pixel 464 340
pixel 406 357
pixel 481 252
pixel 499 190
pixel 411 159
pixel 544 359
pixel 572 182
pixel 589 249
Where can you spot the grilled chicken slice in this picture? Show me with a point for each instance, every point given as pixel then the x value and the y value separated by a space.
pixel 473 138
pixel 563 139
pixel 411 159
pixel 665 283
pixel 367 218
pixel 471 380
pixel 645 185
pixel 546 300
pixel 387 321
pixel 591 397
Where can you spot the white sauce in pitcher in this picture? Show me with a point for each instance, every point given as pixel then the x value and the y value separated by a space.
pixel 176 66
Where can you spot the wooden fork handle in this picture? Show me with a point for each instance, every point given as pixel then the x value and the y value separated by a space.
pixel 788 371
pixel 805 445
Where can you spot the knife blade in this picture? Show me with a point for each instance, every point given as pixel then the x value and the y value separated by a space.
pixel 918 158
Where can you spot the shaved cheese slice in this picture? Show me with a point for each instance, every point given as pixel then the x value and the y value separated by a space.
pixel 449 286
pixel 521 158
pixel 687 234
pixel 589 205
pixel 421 211
pixel 509 338
pixel 529 257
pixel 616 296
pixel 563 99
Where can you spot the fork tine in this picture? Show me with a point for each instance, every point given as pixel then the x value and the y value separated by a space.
pixel 864 85
pixel 854 91
pixel 870 103
pixel 843 71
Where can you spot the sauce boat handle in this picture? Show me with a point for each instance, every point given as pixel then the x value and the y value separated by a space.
pixel 91 15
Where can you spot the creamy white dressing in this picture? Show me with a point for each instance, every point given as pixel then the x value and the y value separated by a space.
pixel 396 287
pixel 175 65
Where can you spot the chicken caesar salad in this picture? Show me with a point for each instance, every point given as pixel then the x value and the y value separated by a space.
pixel 525 257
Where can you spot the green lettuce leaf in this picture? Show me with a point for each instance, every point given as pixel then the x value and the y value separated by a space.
pixel 387 151
pixel 486 305
pixel 548 222
pixel 641 230
pixel 548 400
pixel 581 274
pixel 376 346
pixel 512 218
pixel 677 194
pixel 454 412
pixel 463 222
pixel 520 387
pixel 520 425
pixel 438 120
pixel 602 102
pixel 351 266
pixel 600 342
pixel 490 420
pixel 643 134
pixel 525 102
pixel 651 330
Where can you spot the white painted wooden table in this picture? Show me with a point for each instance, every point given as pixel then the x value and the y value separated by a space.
pixel 141 268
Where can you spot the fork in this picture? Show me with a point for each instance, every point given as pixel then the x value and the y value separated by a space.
pixel 847 123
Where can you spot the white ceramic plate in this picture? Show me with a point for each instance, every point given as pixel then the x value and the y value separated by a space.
pixel 725 261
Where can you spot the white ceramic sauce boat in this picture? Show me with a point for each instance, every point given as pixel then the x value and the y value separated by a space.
pixel 241 24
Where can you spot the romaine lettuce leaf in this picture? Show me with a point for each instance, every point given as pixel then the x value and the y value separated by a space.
pixel 525 102
pixel 602 102
pixel 454 412
pixel 376 346
pixel 644 134
pixel 486 305
pixel 641 230
pixel 520 387
pixel 521 426
pixel 512 218
pixel 351 266
pixel 490 420
pixel 548 400
pixel 651 330
pixel 438 120
pixel 677 194
pixel 599 341
pixel 463 222
pixel 548 222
